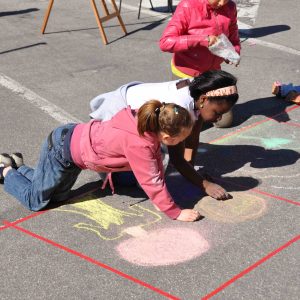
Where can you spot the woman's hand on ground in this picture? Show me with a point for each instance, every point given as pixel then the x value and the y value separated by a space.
pixel 216 191
pixel 189 215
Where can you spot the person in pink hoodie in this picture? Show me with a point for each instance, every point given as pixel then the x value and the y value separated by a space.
pixel 129 141
pixel 196 25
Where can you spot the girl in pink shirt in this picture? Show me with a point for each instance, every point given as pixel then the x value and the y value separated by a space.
pixel 129 141
pixel 196 25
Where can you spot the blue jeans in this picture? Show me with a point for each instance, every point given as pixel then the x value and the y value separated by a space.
pixel 286 88
pixel 51 180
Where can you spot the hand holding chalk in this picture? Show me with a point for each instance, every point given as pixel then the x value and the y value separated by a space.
pixel 216 191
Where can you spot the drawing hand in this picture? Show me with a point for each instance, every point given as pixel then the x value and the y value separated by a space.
pixel 216 191
pixel 189 215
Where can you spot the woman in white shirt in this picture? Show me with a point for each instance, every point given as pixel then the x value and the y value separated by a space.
pixel 207 97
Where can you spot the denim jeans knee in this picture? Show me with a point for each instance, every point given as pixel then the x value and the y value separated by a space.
pixel 52 178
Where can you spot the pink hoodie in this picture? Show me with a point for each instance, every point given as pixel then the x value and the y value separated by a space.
pixel 186 35
pixel 115 145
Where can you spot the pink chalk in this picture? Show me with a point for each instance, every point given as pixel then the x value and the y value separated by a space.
pixel 168 246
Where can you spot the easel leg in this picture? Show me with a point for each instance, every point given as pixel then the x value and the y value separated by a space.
pixel 102 33
pixel 105 7
pixel 119 16
pixel 47 16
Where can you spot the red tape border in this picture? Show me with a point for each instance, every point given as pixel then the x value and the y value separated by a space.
pixel 249 269
pixel 93 261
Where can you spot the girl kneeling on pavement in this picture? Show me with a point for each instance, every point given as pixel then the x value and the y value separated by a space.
pixel 129 141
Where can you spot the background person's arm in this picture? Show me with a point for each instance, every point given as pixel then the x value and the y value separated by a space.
pixel 182 157
pixel 234 31
pixel 191 143
pixel 176 36
pixel 184 167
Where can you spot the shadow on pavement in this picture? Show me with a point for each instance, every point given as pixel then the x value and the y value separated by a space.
pixel 148 27
pixel 269 107
pixel 219 160
pixel 17 12
pixel 22 48
pixel 262 31
pixel 94 187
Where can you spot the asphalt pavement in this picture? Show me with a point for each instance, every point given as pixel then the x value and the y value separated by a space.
pixel 103 246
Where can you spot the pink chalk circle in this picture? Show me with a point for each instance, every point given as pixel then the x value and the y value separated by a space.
pixel 167 246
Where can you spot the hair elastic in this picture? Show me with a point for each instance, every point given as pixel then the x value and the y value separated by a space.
pixel 157 112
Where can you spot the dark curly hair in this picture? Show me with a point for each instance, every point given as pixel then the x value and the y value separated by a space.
pixel 212 80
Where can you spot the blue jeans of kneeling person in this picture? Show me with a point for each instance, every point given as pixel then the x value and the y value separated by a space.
pixel 53 177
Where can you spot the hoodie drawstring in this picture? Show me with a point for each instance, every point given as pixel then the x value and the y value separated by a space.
pixel 111 184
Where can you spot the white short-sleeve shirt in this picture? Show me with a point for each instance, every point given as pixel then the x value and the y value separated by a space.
pixel 166 92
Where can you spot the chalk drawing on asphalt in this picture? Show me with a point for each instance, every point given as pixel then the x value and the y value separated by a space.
pixel 165 246
pixel 107 222
pixel 242 207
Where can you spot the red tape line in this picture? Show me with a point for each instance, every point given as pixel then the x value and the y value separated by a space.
pixel 249 269
pixel 93 261
pixel 22 219
pixel 252 125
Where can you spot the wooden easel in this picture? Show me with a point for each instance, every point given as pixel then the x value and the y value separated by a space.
pixel 99 20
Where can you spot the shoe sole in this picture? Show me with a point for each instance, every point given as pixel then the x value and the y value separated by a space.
pixel 275 88
pixel 293 96
pixel 17 158
pixel 14 160
pixel 5 160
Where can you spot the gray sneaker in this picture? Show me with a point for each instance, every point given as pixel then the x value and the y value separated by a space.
pixel 17 160
pixel 14 160
pixel 5 161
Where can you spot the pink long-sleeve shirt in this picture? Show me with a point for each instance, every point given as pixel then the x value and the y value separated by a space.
pixel 115 145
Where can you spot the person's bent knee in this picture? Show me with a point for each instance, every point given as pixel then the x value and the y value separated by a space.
pixel 226 121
